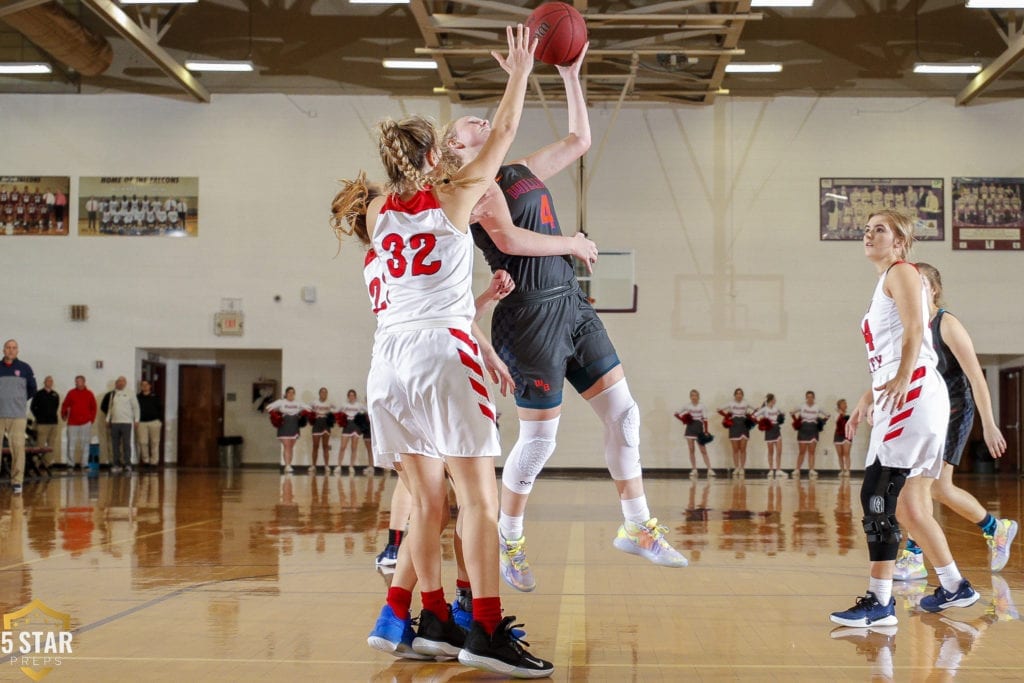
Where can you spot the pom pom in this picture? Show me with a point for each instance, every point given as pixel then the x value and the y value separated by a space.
pixel 781 419
pixel 276 418
pixel 705 438
pixel 341 419
pixel 764 424
pixel 750 422
pixel 687 418
pixel 727 422
pixel 821 423
pixel 797 421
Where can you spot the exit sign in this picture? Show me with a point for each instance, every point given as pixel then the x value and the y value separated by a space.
pixel 228 323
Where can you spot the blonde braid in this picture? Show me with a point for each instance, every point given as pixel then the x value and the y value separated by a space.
pixel 402 172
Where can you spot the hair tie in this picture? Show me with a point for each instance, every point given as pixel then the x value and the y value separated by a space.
pixel 446 181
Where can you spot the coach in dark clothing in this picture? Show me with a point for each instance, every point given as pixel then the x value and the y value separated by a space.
pixel 44 407
pixel 151 415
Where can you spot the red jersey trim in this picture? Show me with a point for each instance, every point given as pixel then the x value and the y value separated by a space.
pixel 424 200
pixel 370 256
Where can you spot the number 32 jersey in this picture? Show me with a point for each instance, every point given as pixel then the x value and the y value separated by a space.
pixel 427 263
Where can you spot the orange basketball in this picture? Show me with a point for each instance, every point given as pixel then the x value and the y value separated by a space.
pixel 560 30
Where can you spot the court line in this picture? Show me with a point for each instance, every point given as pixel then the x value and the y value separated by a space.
pixel 571 632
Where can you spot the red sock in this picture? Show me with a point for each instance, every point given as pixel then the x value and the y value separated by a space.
pixel 434 601
pixel 399 600
pixel 488 612
pixel 464 585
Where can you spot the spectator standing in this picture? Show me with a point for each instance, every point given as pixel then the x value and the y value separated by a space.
pixel 17 386
pixel 45 406
pixel 79 411
pixel 122 414
pixel 151 414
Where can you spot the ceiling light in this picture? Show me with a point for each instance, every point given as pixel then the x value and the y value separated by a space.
pixel 158 2
pixel 410 64
pixel 25 68
pixel 781 3
pixel 753 68
pixel 995 4
pixel 378 2
pixel 945 68
pixel 218 65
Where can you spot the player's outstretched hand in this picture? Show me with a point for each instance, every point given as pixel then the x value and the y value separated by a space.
pixel 574 68
pixel 995 441
pixel 585 250
pixel 496 368
pixel 520 51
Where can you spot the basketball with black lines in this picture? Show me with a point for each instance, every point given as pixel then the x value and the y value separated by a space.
pixel 560 31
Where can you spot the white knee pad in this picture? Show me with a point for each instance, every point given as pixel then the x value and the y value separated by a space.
pixel 535 445
pixel 621 417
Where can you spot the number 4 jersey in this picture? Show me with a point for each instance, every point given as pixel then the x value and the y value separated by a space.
pixel 427 263
pixel 883 331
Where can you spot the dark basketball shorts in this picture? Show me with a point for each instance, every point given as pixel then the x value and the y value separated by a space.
pixel 549 336
pixel 961 419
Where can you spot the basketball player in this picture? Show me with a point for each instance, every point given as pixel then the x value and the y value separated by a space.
pixel 696 427
pixel 967 387
pixel 291 412
pixel 811 419
pixel 547 332
pixel 736 413
pixel 422 351
pixel 772 435
pixel 909 406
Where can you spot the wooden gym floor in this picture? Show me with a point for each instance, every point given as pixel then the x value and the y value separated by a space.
pixel 251 576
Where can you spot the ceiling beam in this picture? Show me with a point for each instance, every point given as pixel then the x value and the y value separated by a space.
pixel 682 51
pixel 991 73
pixel 12 6
pixel 447 22
pixel 115 17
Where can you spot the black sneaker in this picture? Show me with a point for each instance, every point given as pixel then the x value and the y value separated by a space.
pixel 441 639
pixel 502 652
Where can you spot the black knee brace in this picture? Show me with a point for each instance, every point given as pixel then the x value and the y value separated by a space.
pixel 878 495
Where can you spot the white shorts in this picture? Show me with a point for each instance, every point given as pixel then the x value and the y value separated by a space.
pixel 427 395
pixel 913 437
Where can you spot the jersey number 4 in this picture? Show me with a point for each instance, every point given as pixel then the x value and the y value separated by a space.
pixel 868 339
pixel 421 244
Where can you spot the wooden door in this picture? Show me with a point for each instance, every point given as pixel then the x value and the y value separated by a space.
pixel 1011 412
pixel 200 414
pixel 156 374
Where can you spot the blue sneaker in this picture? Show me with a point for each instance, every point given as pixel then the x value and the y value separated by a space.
pixel 463 617
pixel 965 596
pixel 393 636
pixel 388 557
pixel 867 612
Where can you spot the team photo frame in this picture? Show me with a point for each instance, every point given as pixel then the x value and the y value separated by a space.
pixel 34 205
pixel 987 214
pixel 135 206
pixel 846 203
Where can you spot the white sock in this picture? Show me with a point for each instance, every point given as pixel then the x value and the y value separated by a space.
pixel 511 528
pixel 635 510
pixel 949 577
pixel 882 588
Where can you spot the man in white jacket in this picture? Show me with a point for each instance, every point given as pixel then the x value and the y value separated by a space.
pixel 122 415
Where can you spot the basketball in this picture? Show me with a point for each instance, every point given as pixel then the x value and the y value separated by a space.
pixel 561 33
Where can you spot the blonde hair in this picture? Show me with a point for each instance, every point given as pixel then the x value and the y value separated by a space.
pixel 901 225
pixel 348 208
pixel 931 273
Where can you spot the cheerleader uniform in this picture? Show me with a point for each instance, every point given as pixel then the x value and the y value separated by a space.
pixel 698 414
pixel 809 416
pixel 773 433
pixel 840 435
pixel 323 421
pixel 290 411
pixel 913 436
pixel 351 410
pixel 739 412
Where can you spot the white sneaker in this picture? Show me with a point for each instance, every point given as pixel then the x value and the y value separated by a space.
pixel 813 474
pixel 771 474
pixel 288 469
pixel 909 566
pixel 711 473
pixel 694 474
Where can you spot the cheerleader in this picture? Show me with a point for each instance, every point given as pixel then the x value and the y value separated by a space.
pixel 695 417
pixel 769 420
pixel 323 420
pixel 287 414
pixel 351 433
pixel 808 420
pixel 840 440
pixel 738 419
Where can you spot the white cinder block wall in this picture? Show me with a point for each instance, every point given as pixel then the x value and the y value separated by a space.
pixel 720 204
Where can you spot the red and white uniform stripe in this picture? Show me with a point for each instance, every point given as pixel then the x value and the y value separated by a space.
pixel 427 392
pixel 914 435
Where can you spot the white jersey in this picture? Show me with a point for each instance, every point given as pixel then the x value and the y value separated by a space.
pixel 353 409
pixel 286 407
pixel 809 413
pixel 737 409
pixel 376 285
pixel 912 436
pixel 883 332
pixel 428 263
pixel 770 412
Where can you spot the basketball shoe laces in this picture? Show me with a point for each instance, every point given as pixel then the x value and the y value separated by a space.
pixel 656 533
pixel 517 553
